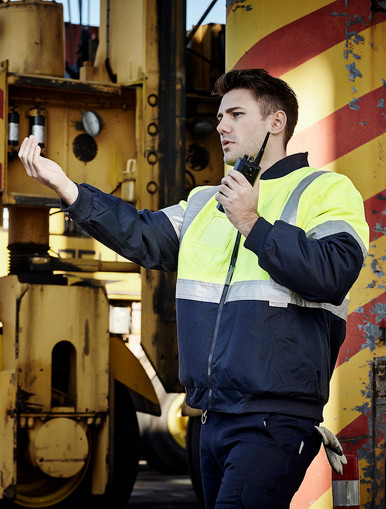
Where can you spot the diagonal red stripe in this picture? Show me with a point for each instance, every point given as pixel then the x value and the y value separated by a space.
pixel 344 130
pixel 357 437
pixel 375 215
pixel 307 37
pixel 363 329
pixel 358 428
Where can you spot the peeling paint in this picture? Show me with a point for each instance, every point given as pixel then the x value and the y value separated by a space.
pixel 354 37
pixel 372 451
pixel 376 268
pixel 381 103
pixel 363 409
pixel 354 24
pixel 354 72
pixel 348 52
pixel 354 104
pixel 237 5
pixel 380 311
pixel 371 336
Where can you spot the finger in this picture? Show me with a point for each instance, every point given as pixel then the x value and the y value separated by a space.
pixel 238 177
pixel 33 151
pixel 23 154
pixel 227 181
pixel 24 147
pixel 224 191
pixel 36 156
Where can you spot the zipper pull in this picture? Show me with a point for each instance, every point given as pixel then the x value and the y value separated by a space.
pixel 204 416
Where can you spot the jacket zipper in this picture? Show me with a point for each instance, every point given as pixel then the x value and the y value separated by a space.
pixel 219 313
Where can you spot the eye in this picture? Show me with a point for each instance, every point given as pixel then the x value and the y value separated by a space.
pixel 237 113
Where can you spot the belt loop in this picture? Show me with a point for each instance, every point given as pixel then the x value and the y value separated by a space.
pixel 204 416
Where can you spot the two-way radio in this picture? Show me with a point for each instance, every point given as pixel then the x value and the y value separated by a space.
pixel 249 167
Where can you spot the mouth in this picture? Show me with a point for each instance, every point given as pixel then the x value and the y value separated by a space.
pixel 226 143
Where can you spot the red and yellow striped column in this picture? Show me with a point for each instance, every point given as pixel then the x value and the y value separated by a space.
pixel 333 54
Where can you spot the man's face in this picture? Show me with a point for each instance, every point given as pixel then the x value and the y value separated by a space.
pixel 241 126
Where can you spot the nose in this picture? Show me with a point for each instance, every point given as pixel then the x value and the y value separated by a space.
pixel 223 126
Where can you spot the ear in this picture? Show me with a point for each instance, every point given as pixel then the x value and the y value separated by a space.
pixel 278 121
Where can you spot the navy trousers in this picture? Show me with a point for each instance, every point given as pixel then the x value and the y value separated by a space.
pixel 255 461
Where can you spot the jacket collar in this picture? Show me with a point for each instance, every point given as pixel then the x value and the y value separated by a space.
pixel 286 165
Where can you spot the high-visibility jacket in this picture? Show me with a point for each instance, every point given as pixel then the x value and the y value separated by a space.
pixel 268 339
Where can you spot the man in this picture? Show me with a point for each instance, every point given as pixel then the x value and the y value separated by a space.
pixel 261 321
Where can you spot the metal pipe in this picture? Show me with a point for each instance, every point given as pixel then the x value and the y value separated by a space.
pixel 196 27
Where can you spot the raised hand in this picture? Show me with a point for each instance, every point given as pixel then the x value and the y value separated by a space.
pixel 45 171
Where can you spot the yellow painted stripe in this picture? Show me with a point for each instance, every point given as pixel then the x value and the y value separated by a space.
pixel 322 83
pixel 361 293
pixel 349 388
pixel 364 166
pixel 323 502
pixel 365 494
pixel 247 27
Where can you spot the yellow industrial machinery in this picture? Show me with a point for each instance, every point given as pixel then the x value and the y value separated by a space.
pixel 132 126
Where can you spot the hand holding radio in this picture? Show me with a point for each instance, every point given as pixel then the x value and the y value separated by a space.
pixel 249 167
pixel 242 208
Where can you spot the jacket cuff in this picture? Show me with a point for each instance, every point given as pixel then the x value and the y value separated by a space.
pixel 82 207
pixel 256 239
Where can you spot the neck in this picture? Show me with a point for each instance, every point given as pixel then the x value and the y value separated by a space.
pixel 272 156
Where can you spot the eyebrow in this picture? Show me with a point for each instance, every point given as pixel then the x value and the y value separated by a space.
pixel 229 110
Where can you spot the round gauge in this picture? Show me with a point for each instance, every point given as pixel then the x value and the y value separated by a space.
pixel 91 122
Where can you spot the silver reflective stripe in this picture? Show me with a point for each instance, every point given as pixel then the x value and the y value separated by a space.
pixel 195 204
pixel 331 227
pixel 175 214
pixel 267 291
pixel 199 290
pixel 290 210
pixel 278 296
pixel 345 493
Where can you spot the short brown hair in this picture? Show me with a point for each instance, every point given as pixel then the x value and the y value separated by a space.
pixel 274 93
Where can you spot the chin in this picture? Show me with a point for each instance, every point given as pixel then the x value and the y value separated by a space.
pixel 231 161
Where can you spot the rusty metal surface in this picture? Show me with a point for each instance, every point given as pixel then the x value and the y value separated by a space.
pixel 7 432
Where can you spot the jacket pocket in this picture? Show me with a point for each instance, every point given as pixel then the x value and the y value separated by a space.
pixel 301 337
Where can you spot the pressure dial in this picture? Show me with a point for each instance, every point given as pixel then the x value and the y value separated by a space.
pixel 91 123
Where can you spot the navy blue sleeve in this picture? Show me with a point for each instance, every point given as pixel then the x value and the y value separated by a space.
pixel 320 270
pixel 144 237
